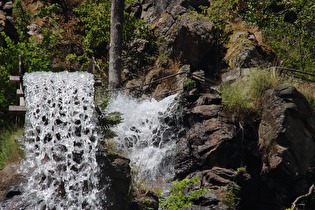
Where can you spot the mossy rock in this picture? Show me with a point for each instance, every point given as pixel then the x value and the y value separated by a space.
pixel 243 49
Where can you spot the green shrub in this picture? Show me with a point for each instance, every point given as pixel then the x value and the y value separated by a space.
pixel 180 196
pixel 37 56
pixel 106 121
pixel 94 16
pixel 189 84
pixel 228 198
pixel 242 169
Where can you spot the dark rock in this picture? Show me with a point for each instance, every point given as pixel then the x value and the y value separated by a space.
pixel 115 173
pixel 207 111
pixel 185 161
pixel 247 57
pixel 216 177
pixel 193 40
pixel 244 51
pixel 9 182
pixel 232 75
pixel 188 39
pixel 212 138
pixel 208 98
pixel 152 9
pixel 8 7
pixel 287 141
pixel 147 201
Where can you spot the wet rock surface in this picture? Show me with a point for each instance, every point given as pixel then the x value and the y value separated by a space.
pixel 115 173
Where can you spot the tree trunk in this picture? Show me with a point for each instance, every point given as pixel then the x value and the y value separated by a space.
pixel 115 49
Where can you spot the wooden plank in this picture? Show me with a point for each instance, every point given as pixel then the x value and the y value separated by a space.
pixel 97 82
pixel 19 93
pixel 22 101
pixel 17 109
pixel 14 79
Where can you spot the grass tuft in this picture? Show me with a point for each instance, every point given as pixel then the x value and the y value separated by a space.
pixel 10 148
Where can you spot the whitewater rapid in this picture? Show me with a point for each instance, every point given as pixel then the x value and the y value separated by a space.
pixel 148 134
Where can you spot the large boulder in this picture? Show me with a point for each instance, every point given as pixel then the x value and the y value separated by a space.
pixel 188 39
pixel 287 141
pixel 212 138
pixel 244 50
pixel 115 175
pixel 211 149
pixel 7 22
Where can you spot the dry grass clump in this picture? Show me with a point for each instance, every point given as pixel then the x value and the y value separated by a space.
pixel 243 97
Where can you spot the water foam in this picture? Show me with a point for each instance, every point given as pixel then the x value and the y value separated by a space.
pixel 148 134
pixel 60 141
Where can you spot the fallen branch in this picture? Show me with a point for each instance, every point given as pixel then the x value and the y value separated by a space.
pixel 302 196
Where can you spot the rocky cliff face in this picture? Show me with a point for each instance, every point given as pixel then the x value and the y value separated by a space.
pixel 278 151
pixel 187 40
pixel 264 164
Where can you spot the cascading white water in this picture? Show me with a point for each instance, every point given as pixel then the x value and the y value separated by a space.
pixel 148 134
pixel 60 142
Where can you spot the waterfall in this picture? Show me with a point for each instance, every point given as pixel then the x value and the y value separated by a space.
pixel 148 134
pixel 60 142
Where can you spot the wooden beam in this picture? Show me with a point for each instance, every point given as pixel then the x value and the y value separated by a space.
pixel 19 93
pixel 97 82
pixel 14 79
pixel 22 101
pixel 17 109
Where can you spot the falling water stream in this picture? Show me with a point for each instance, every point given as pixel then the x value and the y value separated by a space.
pixel 148 134
pixel 60 141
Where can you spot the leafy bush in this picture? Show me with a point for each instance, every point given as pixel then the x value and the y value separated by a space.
pixel 228 198
pixel 242 169
pixel 94 17
pixel 189 84
pixel 37 56
pixel 180 196
pixel 288 27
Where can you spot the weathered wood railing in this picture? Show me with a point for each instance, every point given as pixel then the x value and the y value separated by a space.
pixel 20 109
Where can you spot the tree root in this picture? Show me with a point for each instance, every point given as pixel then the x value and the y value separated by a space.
pixel 293 206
